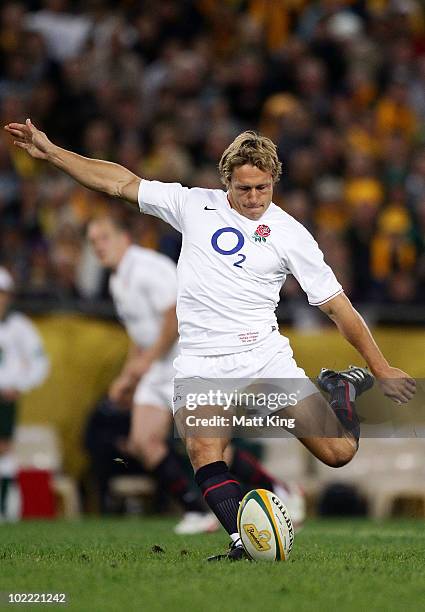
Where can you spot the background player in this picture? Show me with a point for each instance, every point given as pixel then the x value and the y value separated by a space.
pixel 23 366
pixel 226 317
pixel 143 287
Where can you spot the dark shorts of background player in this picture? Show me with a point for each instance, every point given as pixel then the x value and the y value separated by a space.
pixel 8 414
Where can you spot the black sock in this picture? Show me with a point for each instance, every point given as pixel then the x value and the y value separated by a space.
pixel 342 399
pixel 221 492
pixel 246 467
pixel 172 478
pixel 4 488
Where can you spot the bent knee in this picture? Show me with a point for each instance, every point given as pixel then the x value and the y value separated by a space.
pixel 339 454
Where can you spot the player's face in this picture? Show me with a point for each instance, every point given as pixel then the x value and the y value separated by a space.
pixel 109 244
pixel 250 191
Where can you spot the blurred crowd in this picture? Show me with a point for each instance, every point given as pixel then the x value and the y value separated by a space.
pixel 163 88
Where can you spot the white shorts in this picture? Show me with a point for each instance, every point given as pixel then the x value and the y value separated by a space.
pixel 156 387
pixel 271 360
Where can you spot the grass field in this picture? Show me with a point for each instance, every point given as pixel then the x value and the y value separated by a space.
pixel 109 565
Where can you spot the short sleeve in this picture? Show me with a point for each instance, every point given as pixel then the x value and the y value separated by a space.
pixel 306 262
pixel 163 286
pixel 163 200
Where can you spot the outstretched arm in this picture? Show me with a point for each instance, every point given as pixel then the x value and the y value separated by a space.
pixel 96 174
pixel 395 384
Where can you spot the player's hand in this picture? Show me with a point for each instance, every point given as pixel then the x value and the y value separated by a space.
pixel 120 389
pixel 397 385
pixel 28 137
pixel 139 366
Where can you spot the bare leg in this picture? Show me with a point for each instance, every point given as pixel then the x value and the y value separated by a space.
pixel 205 446
pixel 149 431
pixel 318 428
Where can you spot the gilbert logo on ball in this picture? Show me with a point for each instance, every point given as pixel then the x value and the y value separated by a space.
pixel 261 233
pixel 265 527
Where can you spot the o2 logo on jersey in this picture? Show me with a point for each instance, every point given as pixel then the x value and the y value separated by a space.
pixel 240 241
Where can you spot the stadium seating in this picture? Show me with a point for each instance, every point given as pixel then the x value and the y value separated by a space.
pixel 385 470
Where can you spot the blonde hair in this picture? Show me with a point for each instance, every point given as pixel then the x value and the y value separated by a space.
pixel 250 148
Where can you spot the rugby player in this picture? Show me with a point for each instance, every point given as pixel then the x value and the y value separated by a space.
pixel 143 286
pixel 238 247
pixel 23 366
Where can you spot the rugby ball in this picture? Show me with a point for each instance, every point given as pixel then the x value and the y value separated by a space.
pixel 265 526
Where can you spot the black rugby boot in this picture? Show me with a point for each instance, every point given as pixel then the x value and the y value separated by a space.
pixel 236 552
pixel 361 379
pixel 343 388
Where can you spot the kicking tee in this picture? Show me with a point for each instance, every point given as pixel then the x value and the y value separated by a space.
pixel 231 268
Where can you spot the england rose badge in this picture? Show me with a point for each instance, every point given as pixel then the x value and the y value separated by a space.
pixel 261 233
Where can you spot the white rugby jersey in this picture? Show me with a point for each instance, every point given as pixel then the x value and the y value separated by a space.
pixel 143 287
pixel 231 269
pixel 23 362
